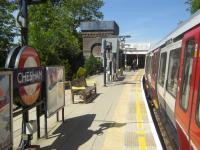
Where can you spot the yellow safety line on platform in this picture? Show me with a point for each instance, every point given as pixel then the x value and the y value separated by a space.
pixel 114 138
pixel 139 118
pixel 142 143
pixel 138 110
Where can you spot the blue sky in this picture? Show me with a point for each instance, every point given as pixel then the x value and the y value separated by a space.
pixel 145 20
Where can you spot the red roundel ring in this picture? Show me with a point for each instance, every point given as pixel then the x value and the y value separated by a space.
pixel 26 58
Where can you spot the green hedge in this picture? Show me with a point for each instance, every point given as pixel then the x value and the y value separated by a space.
pixel 92 65
pixel 82 72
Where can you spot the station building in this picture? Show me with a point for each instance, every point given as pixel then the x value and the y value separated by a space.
pixel 135 51
pixel 92 34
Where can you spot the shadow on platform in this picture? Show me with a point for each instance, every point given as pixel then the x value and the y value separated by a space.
pixel 75 132
pixel 107 125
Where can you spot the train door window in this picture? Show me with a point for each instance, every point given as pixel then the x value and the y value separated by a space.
pixel 198 108
pixel 154 65
pixel 147 64
pixel 162 68
pixel 150 63
pixel 173 69
pixel 187 73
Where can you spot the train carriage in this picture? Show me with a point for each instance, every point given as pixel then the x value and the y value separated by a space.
pixel 173 77
pixel 151 66
pixel 167 84
pixel 148 75
pixel 188 85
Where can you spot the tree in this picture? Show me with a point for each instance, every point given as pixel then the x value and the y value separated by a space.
pixel 83 10
pixel 194 5
pixel 92 65
pixel 52 31
pixel 7 23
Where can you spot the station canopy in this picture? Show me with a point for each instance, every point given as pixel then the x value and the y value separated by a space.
pixel 136 48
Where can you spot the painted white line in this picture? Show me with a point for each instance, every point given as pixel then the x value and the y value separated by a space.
pixel 153 129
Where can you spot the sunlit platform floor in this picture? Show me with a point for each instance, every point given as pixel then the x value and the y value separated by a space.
pixel 118 118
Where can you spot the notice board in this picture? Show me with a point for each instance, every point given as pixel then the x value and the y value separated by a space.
pixel 6 98
pixel 55 91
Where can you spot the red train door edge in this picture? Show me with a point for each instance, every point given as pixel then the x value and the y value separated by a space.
pixel 185 90
pixel 195 118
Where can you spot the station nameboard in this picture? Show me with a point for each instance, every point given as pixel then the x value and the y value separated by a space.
pixel 6 134
pixel 27 84
pixel 28 75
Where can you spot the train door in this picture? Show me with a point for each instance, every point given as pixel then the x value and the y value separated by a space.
pixel 154 78
pixel 186 84
pixel 161 81
pixel 155 68
pixel 146 66
pixel 149 69
pixel 195 118
pixel 150 74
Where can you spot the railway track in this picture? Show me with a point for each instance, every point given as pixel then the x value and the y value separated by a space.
pixel 164 135
pixel 167 143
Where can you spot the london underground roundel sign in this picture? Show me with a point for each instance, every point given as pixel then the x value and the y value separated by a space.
pixel 27 74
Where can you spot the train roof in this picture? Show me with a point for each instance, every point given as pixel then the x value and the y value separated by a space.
pixel 193 21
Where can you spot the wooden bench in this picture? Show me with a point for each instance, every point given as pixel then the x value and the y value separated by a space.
pixel 80 87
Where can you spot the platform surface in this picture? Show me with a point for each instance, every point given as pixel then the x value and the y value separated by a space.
pixel 117 119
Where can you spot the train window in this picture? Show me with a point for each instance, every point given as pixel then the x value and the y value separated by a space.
pixel 162 68
pixel 147 64
pixel 198 108
pixel 150 65
pixel 173 69
pixel 186 74
pixel 154 65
